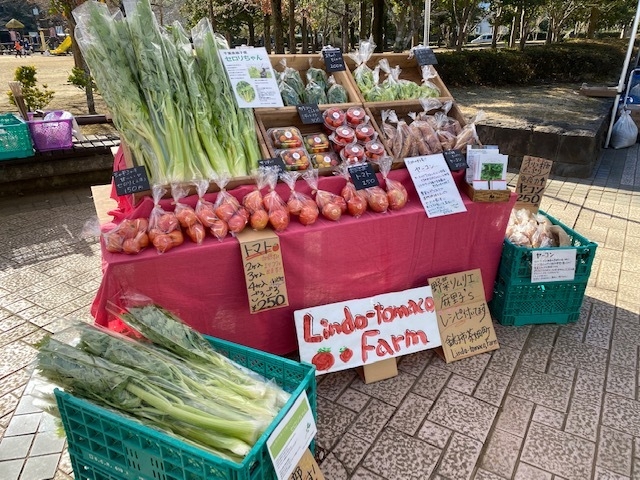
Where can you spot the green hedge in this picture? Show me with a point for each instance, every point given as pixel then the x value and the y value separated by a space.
pixel 572 61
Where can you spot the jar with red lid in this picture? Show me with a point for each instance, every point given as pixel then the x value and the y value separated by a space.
pixel 374 150
pixel 352 153
pixel 356 116
pixel 365 133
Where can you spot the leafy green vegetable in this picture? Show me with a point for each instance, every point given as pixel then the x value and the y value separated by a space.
pixel 318 76
pixel 289 95
pixel 314 93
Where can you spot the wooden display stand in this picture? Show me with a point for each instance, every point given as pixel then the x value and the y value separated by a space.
pixel 486 196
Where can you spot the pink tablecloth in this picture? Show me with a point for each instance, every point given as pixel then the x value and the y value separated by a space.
pixel 324 263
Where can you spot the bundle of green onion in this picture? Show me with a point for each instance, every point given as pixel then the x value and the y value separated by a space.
pixel 171 378
pixel 172 104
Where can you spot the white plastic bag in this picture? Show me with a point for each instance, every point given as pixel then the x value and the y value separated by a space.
pixel 624 132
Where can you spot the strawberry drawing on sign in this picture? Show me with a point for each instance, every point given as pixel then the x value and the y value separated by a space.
pixel 345 354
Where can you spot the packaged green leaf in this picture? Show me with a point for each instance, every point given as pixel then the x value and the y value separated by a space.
pixel 362 73
pixel 289 95
pixel 409 90
pixel 314 93
pixel 374 94
pixel 428 88
pixel 391 86
pixel 336 93
pixel 292 78
pixel 317 75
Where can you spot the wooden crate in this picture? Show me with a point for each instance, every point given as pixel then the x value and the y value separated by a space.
pixel 485 196
pixel 301 64
pixel 410 70
pixel 402 109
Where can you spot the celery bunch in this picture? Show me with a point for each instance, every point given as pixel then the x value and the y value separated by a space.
pixel 178 124
pixel 170 378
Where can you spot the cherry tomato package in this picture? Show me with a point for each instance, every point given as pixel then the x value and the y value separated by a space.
pixel 325 160
pixel 186 215
pixel 334 117
pixel 228 208
pixel 129 236
pixel 299 204
pixel 294 158
pixel 397 195
pixel 286 137
pixel 356 116
pixel 206 213
pixel 352 153
pixel 164 227
pixel 356 199
pixel 317 143
pixel 331 206
pixel 273 202
pixel 254 202
pixel 365 133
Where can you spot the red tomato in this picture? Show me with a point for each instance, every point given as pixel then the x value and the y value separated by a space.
pixel 345 354
pixel 323 360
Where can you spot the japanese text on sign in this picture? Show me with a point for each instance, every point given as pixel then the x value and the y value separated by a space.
pixel 463 316
pixel 363 176
pixel 333 60
pixel 263 270
pixel 532 182
pixel 435 185
pixel 553 264
pixel 131 180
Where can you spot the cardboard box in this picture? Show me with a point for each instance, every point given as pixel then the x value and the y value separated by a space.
pixel 381 370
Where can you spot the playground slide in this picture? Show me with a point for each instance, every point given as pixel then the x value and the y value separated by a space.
pixel 63 47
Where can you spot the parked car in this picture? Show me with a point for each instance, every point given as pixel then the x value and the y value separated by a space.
pixel 484 38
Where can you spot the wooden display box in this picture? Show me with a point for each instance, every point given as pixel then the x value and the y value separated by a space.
pixel 301 64
pixel 410 70
pixel 402 109
pixel 485 196
pixel 278 118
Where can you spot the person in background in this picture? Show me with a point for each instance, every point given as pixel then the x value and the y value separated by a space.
pixel 27 47
pixel 18 47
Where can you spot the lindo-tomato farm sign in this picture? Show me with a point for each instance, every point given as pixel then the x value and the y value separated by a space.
pixel 360 332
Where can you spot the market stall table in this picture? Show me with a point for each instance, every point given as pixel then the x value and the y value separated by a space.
pixel 324 263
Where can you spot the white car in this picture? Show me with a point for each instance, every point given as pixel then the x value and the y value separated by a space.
pixel 484 38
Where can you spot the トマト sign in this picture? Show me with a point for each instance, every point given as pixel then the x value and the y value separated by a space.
pixel 359 332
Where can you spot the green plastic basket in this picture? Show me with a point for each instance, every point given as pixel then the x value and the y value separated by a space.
pixel 536 303
pixel 104 445
pixel 515 262
pixel 15 141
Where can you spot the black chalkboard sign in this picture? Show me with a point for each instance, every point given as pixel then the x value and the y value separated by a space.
pixel 363 176
pixel 425 56
pixel 273 162
pixel 455 159
pixel 131 180
pixel 309 113
pixel 333 60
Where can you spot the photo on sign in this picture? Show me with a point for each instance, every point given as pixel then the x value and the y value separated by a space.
pixel 245 91
pixel 255 72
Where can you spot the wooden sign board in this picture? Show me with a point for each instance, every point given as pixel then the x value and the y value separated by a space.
pixel 263 269
pixel 532 182
pixel 307 469
pixel 464 321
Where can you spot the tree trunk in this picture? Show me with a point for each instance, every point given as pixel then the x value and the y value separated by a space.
pixel 267 32
pixel 496 28
pixel 252 30
pixel 276 14
pixel 594 16
pixel 91 104
pixel 415 31
pixel 305 34
pixel 514 29
pixel 292 27
pixel 365 20
pixel 523 30
pixel 212 18
pixel 345 28
pixel 378 25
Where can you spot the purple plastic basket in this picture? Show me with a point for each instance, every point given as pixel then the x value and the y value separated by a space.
pixel 52 134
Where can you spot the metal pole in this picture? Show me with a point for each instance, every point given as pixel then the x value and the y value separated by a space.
pixel 427 21
pixel 623 74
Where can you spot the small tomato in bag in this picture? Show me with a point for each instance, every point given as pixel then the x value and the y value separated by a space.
pixel 332 211
pixel 237 222
pixel 279 219
pixel 308 214
pixel 167 222
pixel 259 219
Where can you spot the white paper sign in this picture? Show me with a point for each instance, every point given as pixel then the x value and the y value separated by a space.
pixel 289 440
pixel 358 332
pixel 553 265
pixel 435 185
pixel 252 77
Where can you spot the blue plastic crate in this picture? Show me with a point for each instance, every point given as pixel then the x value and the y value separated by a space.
pixel 15 141
pixel 515 262
pixel 104 445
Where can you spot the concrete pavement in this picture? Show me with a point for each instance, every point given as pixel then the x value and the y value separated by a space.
pixel 554 402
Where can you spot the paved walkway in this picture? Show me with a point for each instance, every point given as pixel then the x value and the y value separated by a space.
pixel 554 402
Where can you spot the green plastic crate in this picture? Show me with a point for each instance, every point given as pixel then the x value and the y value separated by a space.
pixel 15 141
pixel 515 262
pixel 536 303
pixel 104 445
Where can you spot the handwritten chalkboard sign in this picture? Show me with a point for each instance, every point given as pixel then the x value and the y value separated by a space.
pixel 131 180
pixel 333 60
pixel 363 176
pixel 309 113
pixel 273 162
pixel 455 159
pixel 425 56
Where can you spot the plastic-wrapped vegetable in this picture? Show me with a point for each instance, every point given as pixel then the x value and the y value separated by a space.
pixel 186 215
pixel 253 202
pixel 362 74
pixel 299 204
pixel 468 135
pixel 206 213
pixel 426 133
pixel 289 95
pixel 376 199
pixel 356 199
pixel 428 88
pixel 336 93
pixel 391 85
pixel 396 193
pixel 388 130
pixel 420 145
pixel 331 205
pixel 314 93
pixel 130 236
pixel 228 208
pixel 164 228
pixel 275 206
pixel 292 78
pixel 318 76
